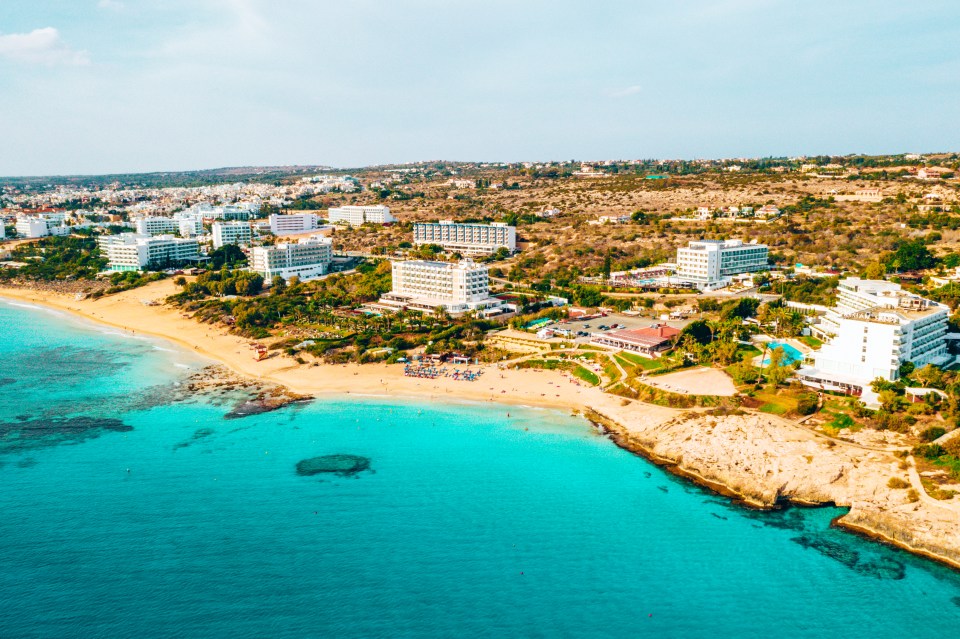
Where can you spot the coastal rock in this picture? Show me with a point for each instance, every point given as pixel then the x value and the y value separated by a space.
pixel 764 461
pixel 264 403
pixel 341 464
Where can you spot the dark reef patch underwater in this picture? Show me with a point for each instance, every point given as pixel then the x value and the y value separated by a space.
pixel 881 567
pixel 40 432
pixel 342 465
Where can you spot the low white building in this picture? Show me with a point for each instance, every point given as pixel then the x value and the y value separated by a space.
pixel 427 286
pixel 710 264
pixel 308 258
pixel 136 251
pixel 466 238
pixel 875 328
pixel 293 223
pixel 32 227
pixel 357 215
pixel 231 233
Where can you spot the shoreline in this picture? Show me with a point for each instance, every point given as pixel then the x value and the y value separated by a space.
pixel 520 388
pixel 753 459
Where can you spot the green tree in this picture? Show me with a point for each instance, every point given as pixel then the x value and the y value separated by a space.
pixel 912 255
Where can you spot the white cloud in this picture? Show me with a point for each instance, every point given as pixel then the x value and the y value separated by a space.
pixel 625 91
pixel 112 5
pixel 40 46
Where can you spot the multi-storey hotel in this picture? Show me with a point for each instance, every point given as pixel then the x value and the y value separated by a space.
pixel 157 226
pixel 357 215
pixel 135 251
pixel 428 286
pixel 466 239
pixel 307 259
pixel 874 329
pixel 711 264
pixel 293 223
pixel 231 233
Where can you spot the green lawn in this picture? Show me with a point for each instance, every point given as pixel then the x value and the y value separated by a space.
pixel 554 364
pixel 638 360
pixel 811 341
pixel 586 375
pixel 774 403
pixel 747 352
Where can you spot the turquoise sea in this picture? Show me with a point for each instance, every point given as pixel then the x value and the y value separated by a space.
pixel 126 511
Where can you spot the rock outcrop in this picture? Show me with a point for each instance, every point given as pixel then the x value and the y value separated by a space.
pixel 765 461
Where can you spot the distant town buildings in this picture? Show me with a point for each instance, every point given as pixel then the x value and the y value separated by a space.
pixel 709 264
pixel 234 232
pixel 466 238
pixel 136 251
pixel 309 258
pixel 875 328
pixel 358 215
pixel 293 223
pixel 428 286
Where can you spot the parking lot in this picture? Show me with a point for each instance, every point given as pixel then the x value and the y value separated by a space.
pixel 622 321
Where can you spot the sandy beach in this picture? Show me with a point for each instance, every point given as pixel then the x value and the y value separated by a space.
pixel 127 311
pixel 760 459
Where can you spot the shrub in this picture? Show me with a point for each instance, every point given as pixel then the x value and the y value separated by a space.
pixel 897 483
pixel 807 403
pixel 930 451
pixel 933 433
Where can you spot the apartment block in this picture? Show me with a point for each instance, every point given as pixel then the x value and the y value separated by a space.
pixel 293 223
pixel 157 226
pixel 427 286
pixel 357 215
pixel 231 233
pixel 136 251
pixel 309 258
pixel 709 264
pixel 466 238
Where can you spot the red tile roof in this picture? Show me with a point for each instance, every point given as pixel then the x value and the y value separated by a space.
pixel 650 336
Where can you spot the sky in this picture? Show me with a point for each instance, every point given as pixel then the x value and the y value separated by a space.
pixel 110 86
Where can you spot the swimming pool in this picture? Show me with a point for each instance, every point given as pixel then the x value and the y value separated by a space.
pixel 790 353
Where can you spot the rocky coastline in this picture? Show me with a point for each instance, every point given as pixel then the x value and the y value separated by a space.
pixel 761 462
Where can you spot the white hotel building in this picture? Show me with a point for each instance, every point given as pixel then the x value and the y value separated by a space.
pixel 293 223
pixel 874 329
pixel 357 215
pixel 464 238
pixel 427 286
pixel 307 259
pixel 135 252
pixel 231 233
pixel 41 226
pixel 157 226
pixel 709 264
